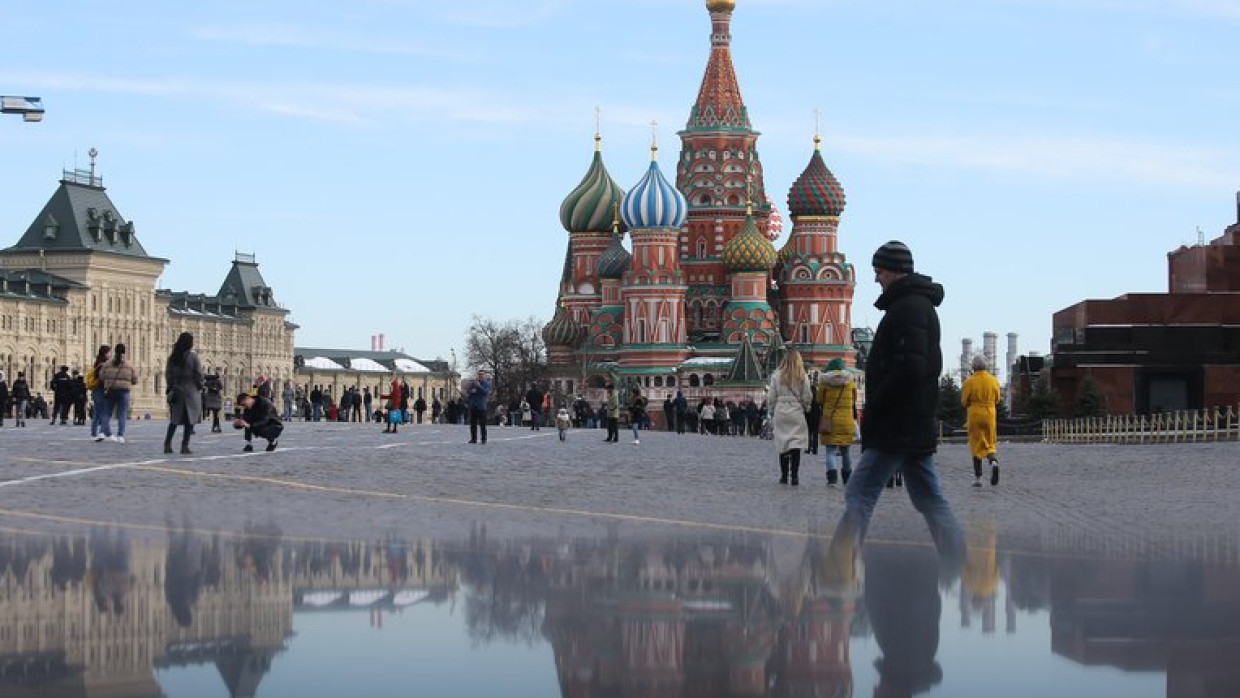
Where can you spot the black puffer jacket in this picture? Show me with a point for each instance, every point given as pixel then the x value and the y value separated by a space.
pixel 902 369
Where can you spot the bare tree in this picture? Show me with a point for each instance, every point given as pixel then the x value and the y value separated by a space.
pixel 513 352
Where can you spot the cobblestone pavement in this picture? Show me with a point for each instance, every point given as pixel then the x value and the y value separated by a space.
pixel 352 481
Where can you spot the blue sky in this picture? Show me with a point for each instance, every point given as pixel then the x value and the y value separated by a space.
pixel 1032 153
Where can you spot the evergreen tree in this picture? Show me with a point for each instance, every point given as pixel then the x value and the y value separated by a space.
pixel 951 412
pixel 1090 402
pixel 1044 402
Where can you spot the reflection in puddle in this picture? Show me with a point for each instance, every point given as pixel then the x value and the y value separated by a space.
pixel 258 615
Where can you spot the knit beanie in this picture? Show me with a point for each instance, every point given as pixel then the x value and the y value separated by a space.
pixel 894 256
pixel 836 364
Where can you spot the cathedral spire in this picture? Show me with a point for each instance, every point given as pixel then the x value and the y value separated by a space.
pixel 719 104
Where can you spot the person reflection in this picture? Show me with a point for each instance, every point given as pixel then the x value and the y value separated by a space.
pixel 68 561
pixel 109 570
pixel 903 605
pixel 189 566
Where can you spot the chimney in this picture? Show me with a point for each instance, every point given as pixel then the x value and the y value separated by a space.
pixel 1011 352
pixel 966 359
pixel 381 342
pixel 990 341
pixel 374 339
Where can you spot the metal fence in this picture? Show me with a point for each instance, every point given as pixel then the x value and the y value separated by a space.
pixel 1184 426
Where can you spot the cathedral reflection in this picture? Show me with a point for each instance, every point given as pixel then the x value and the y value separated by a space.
pixel 740 615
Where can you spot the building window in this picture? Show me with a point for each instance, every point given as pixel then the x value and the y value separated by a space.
pixel 708 379
pixel 694 381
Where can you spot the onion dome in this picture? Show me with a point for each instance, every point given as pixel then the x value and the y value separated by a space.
pixel 589 208
pixel 816 192
pixel 654 202
pixel 749 250
pixel 774 224
pixel 563 330
pixel 721 5
pixel 615 259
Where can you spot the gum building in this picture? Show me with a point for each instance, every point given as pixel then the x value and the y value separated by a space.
pixel 79 277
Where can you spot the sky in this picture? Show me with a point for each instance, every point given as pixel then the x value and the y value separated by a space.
pixel 397 166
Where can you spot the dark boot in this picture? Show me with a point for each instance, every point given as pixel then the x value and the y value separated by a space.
pixel 796 466
pixel 977 468
pixel 845 474
pixel 994 472
pixel 832 477
pixel 185 442
pixel 899 479
pixel 172 429
pixel 783 468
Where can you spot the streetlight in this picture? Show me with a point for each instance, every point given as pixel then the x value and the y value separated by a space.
pixel 31 108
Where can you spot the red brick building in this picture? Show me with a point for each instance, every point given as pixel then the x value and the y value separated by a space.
pixel 1155 352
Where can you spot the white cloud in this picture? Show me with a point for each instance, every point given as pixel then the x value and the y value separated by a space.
pixel 291 36
pixel 1078 158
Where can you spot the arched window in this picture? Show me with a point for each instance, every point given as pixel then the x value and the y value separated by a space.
pixel 708 379
pixel 658 381
pixel 694 381
pixel 701 248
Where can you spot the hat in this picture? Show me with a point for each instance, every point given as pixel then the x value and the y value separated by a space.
pixel 836 364
pixel 894 256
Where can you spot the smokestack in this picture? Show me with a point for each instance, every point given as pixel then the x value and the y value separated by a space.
pixel 966 359
pixel 381 338
pixel 1012 352
pixel 990 341
pixel 374 342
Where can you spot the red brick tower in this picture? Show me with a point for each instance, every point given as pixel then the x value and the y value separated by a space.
pixel 815 281
pixel 718 160
pixel 587 214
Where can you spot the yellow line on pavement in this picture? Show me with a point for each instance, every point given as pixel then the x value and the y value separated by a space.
pixel 50 461
pixel 270 481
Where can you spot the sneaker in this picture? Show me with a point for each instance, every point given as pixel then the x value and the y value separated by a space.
pixel 120 439
pixel 99 437
pixel 272 446
pixel 248 448
pixel 977 482
pixel 637 442
pixel 111 438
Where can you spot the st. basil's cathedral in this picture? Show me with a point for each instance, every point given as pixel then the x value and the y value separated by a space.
pixel 703 301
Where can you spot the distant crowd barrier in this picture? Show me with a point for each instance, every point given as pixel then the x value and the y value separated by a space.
pixel 1185 426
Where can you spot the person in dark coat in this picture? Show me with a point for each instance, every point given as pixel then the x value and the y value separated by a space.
pixel 62 395
pixel 20 394
pixel 79 398
pixel 903 605
pixel 184 382
pixel 4 397
pixel 479 393
pixel 258 418
pixel 316 403
pixel 898 428
pixel 534 396
pixel 213 399
pixel 436 410
pixel 681 408
pixel 419 407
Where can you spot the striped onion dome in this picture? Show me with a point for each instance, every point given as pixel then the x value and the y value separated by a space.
pixel 590 207
pixel 563 330
pixel 816 192
pixel 749 250
pixel 654 203
pixel 615 259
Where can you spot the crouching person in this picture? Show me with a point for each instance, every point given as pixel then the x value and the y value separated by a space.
pixel 258 417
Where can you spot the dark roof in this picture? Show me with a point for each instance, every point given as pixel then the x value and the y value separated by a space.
pixel 81 216
pixel 244 286
pixel 32 284
pixel 745 367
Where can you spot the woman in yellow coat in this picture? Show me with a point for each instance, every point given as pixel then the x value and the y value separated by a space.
pixel 837 398
pixel 979 395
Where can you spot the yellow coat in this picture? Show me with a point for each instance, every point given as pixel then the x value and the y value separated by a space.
pixel 979 395
pixel 837 396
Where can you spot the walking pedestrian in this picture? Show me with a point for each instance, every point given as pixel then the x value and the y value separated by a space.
pixel 62 395
pixel 681 407
pixel 534 397
pixel 95 386
pixel 118 379
pixel 287 396
pixel 980 394
pixel 4 397
pixel 184 383
pixel 813 419
pixel 612 405
pixel 316 403
pixel 789 395
pixel 20 392
pixel 79 398
pixel 419 407
pixel 637 413
pixel 213 399
pixel 898 423
pixel 393 406
pixel 836 399
pixel 477 396
pixel 563 422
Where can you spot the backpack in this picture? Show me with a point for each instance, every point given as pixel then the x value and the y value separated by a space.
pixel 92 379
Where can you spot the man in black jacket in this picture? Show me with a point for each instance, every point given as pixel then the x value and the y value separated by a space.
pixel 898 429
pixel 260 419
pixel 62 395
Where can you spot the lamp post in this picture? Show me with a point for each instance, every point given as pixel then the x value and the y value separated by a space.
pixel 31 108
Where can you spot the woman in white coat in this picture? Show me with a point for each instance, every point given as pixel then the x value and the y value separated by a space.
pixel 789 397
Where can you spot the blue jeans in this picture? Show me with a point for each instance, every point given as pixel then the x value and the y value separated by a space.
pixel 318 410
pixel 120 406
pixel 868 481
pixel 845 453
pixel 96 422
